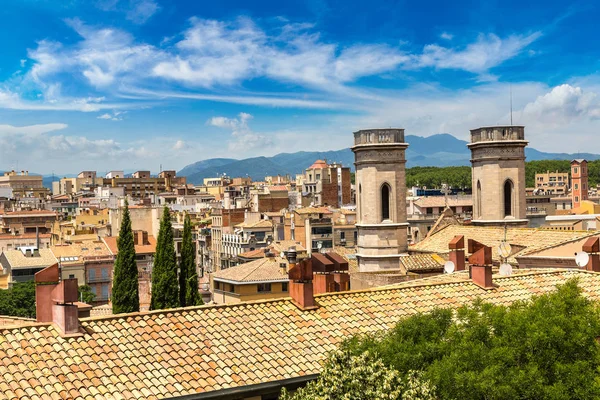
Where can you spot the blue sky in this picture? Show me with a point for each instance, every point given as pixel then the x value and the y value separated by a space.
pixel 128 84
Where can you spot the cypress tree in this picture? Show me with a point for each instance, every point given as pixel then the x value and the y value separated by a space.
pixel 188 276
pixel 125 291
pixel 165 287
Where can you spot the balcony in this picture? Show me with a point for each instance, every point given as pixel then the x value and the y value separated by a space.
pixel 98 279
pixel 320 221
pixel 322 235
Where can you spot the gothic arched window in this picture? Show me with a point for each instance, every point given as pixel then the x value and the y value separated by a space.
pixel 508 198
pixel 385 201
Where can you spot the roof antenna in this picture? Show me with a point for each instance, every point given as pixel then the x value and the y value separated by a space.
pixel 511 108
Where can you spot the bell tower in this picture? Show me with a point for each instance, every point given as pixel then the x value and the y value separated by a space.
pixel 498 175
pixel 380 198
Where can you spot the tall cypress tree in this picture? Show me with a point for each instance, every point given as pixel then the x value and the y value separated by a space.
pixel 188 276
pixel 165 287
pixel 125 291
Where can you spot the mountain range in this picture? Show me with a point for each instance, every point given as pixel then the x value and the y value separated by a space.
pixel 441 150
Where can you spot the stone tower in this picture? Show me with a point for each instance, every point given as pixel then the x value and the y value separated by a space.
pixel 579 182
pixel 380 198
pixel 498 175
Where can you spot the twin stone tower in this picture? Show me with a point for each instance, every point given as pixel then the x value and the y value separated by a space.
pixel 498 182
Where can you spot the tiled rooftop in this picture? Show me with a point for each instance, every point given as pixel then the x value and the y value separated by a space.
pixel 81 250
pixel 263 223
pixel 266 269
pixel 207 348
pixel 440 201
pixel 522 240
pixel 422 263
pixel 17 259
pixel 150 248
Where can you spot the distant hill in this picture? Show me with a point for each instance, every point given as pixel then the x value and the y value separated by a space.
pixel 439 150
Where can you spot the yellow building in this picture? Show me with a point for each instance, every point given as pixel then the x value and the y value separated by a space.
pixel 265 278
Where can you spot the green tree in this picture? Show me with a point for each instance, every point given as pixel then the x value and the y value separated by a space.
pixel 85 294
pixel 165 286
pixel 125 291
pixel 188 275
pixel 544 348
pixel 358 377
pixel 19 300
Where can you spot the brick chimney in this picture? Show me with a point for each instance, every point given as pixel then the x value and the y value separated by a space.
pixel 592 247
pixel 54 301
pixel 481 264
pixel 301 286
pixel 457 252
pixel 330 273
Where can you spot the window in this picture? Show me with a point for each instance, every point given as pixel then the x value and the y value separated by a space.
pixel 92 274
pixel 105 291
pixel 104 272
pixel 355 236
pixel 71 276
pixel 478 205
pixel 508 197
pixel 343 235
pixel 576 186
pixel 385 201
pixel 576 199
pixel 264 288
pixel 575 170
pixel 284 286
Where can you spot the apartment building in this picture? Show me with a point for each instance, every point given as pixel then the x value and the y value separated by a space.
pixel 24 185
pixel 326 185
pixel 311 226
pixel 552 183
pixel 223 222
pixel 27 221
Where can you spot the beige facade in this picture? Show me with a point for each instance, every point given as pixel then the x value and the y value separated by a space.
pixel 381 198
pixel 552 183
pixel 23 184
pixel 498 175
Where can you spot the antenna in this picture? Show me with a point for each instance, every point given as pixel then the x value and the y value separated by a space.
pixel 511 108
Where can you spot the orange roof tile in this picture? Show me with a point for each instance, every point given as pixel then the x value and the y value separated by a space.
pixel 318 164
pixel 267 269
pixel 111 242
pixel 204 349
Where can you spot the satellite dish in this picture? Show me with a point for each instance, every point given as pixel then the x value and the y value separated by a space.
pixel 319 245
pixel 282 254
pixel 449 267
pixel 504 250
pixel 582 258
pixel 505 269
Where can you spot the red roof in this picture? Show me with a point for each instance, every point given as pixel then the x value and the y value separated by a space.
pixel 318 164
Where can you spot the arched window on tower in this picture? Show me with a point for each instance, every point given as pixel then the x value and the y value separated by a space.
pixel 478 205
pixel 508 198
pixel 385 201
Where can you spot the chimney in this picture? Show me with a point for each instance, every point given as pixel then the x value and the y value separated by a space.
pixel 481 264
pixel 301 286
pixel 136 240
pixel 54 301
pixel 145 238
pixel 457 252
pixel 592 247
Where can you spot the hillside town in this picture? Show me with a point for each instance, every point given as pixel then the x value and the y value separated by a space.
pixel 307 200
pixel 288 249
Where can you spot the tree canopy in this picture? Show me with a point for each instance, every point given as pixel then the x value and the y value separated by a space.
pixel 544 348
pixel 165 285
pixel 188 275
pixel 19 300
pixel 125 290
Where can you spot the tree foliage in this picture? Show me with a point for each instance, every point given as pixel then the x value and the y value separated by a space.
pixel 188 275
pixel 19 300
pixel 544 348
pixel 85 294
pixel 363 376
pixel 165 285
pixel 433 177
pixel 125 290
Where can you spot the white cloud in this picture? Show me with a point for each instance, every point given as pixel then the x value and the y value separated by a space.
pixel 104 116
pixel 115 116
pixel 141 10
pixel 136 11
pixel 563 104
pixel 487 52
pixel 179 145
pixel 446 36
pixel 243 139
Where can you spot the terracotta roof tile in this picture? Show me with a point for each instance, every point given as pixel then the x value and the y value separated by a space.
pixel 422 262
pixel 234 345
pixel 522 240
pixel 263 270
